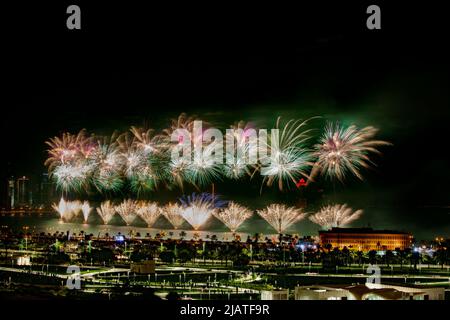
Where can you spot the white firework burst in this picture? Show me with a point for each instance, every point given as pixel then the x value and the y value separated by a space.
pixel 233 216
pixel 127 210
pixel 106 211
pixel 148 211
pixel 174 214
pixel 335 216
pixel 281 217
pixel 345 150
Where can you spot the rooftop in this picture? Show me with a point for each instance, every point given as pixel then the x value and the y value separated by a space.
pixel 361 230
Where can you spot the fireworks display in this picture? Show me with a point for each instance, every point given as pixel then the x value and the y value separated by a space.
pixel 345 150
pixel 127 211
pixel 106 211
pixel 174 214
pixel 281 217
pixel 335 216
pixel 288 159
pixel 141 159
pixel 148 211
pixel 233 216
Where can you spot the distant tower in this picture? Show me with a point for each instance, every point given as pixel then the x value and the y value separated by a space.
pixel 11 193
pixel 23 191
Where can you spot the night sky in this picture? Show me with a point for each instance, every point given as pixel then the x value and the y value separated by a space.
pixel 104 80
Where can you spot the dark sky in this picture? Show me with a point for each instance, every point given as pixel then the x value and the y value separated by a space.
pixel 253 69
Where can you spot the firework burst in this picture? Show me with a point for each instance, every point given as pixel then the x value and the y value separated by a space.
pixel 238 158
pixel 106 211
pixel 106 159
pixel 345 150
pixel 198 208
pixel 202 171
pixel 335 216
pixel 67 210
pixel 127 210
pixel 174 214
pixel 146 140
pixel 289 159
pixel 72 177
pixel 148 211
pixel 281 217
pixel 67 148
pixel 233 216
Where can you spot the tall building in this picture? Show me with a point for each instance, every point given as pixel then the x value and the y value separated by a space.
pixel 11 193
pixel 365 239
pixel 23 192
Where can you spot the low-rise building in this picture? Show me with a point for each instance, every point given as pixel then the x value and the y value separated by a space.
pixel 276 294
pixel 365 239
pixel 368 292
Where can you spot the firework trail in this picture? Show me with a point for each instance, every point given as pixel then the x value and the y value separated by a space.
pixel 233 216
pixel 106 211
pixel 174 214
pixel 335 216
pixel 345 150
pixel 289 159
pixel 127 210
pixel 281 217
pixel 148 211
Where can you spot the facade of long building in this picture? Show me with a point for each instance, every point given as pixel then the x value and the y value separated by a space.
pixel 365 239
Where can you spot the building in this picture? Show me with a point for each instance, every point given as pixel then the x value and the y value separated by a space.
pixel 11 193
pixel 365 239
pixel 23 193
pixel 277 294
pixel 368 292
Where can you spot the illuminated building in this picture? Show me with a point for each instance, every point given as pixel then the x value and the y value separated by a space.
pixel 365 239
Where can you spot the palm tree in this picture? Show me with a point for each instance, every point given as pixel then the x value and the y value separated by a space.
pixel 372 256
pixel 441 256
pixel 389 256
